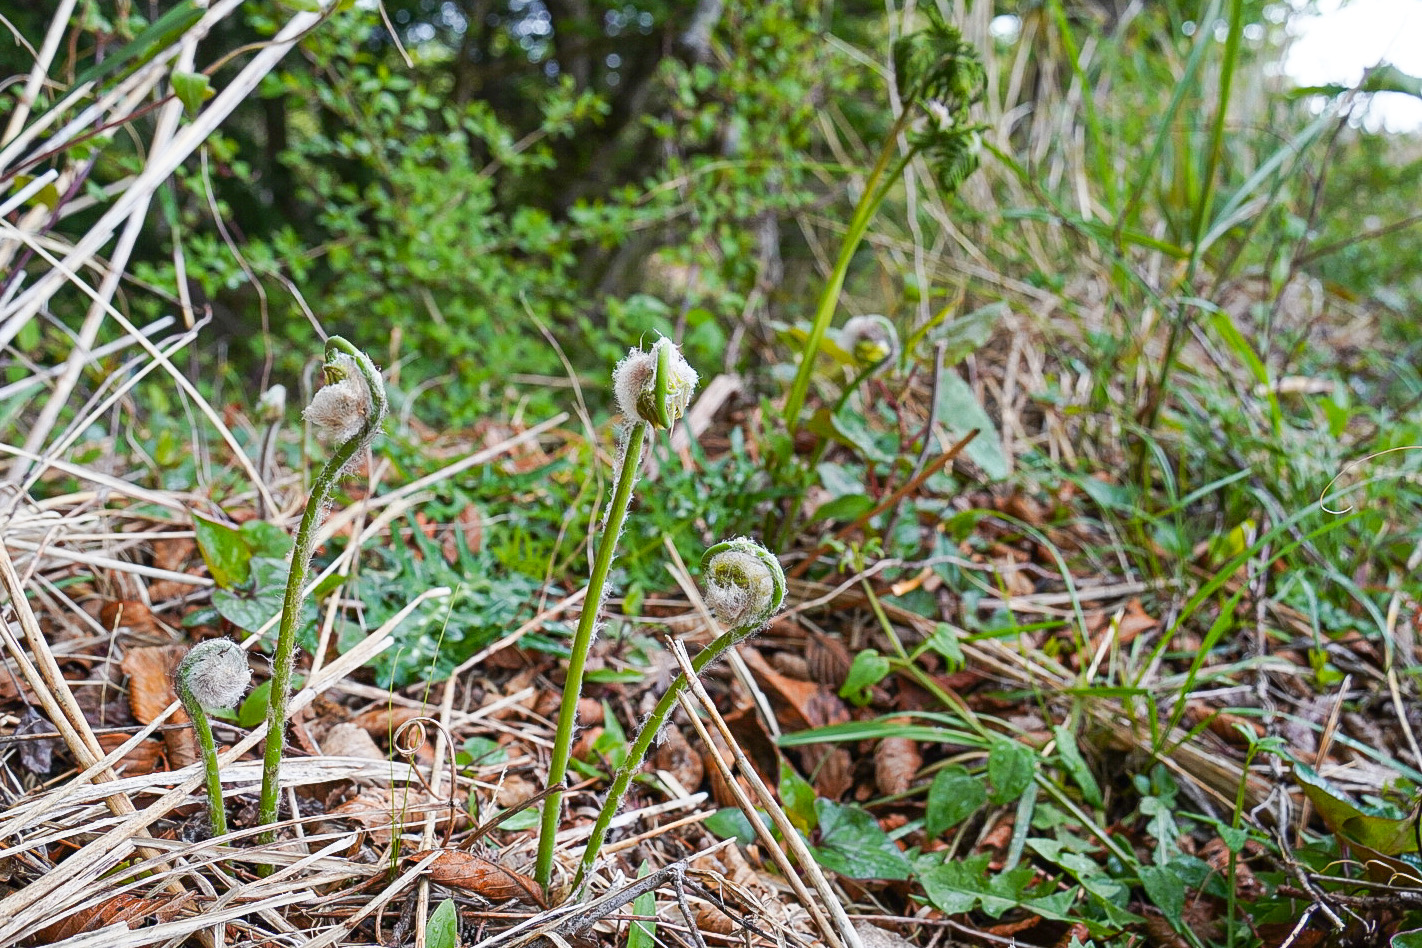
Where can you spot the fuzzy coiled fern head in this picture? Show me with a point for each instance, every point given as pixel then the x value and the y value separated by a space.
pixel 654 385
pixel 352 400
pixel 215 673
pixel 869 339
pixel 745 585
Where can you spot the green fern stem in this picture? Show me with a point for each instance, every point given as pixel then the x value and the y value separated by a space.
pixel 217 813
pixel 637 753
pixel 626 478
pixel 284 658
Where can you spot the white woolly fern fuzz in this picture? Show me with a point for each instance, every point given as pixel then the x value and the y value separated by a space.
pixel 637 386
pixel 869 339
pixel 744 584
pixel 216 673
pixel 340 409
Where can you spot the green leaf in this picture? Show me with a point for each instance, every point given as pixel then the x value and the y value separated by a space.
pixel 612 742
pixel 227 557
pixel 254 603
pixel 484 750
pixel 192 89
pixel 1010 767
pixel 442 930
pixel 954 795
pixel 944 641
pixel 868 669
pixel 264 538
pixel 798 798
pixel 848 507
pixel 1163 886
pixel 523 819
pixel 643 934
pixel 969 332
pixel 853 845
pixel 963 885
pixel 730 823
pixel 960 413
pixel 1408 939
pixel 1075 765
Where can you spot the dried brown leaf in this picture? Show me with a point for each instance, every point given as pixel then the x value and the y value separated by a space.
pixel 128 909
pixel 461 870
pixel 676 756
pixel 896 763
pixel 150 690
pixel 150 680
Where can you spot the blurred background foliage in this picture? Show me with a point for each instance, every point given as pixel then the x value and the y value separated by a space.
pixel 497 168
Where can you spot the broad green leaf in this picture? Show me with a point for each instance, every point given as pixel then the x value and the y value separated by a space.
pixel 730 823
pixel 264 538
pixel 192 89
pixel 959 413
pixel 484 750
pixel 798 798
pixel 254 603
pixel 954 795
pixel 1075 765
pixel 1165 889
pixel 442 930
pixel 848 507
pixel 643 934
pixel 944 641
pixel 1010 767
pixel 968 333
pixel 852 844
pixel 228 558
pixel 868 669
pixel 1408 939
pixel 523 819
pixel 963 885
pixel 254 707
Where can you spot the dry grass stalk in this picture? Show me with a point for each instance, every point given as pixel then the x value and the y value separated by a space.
pixel 842 932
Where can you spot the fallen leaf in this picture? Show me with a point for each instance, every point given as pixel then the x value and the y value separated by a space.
pixel 37 755
pixel 872 936
pixel 798 704
pixel 150 691
pixel 713 920
pixel 834 773
pixel 461 870
pixel 145 758
pixel 131 614
pixel 896 763
pixel 676 756
pixel 381 724
pixel 126 909
pixel 150 680
pixel 351 740
pixel 377 809
pixel 827 660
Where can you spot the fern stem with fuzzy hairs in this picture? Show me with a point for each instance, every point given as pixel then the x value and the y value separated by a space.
pixel 341 359
pixel 629 464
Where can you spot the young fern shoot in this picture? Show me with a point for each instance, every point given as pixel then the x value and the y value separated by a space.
pixel 348 410
pixel 745 587
pixel 213 675
pixel 653 390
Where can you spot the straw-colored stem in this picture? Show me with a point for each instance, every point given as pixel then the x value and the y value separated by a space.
pixel 626 477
